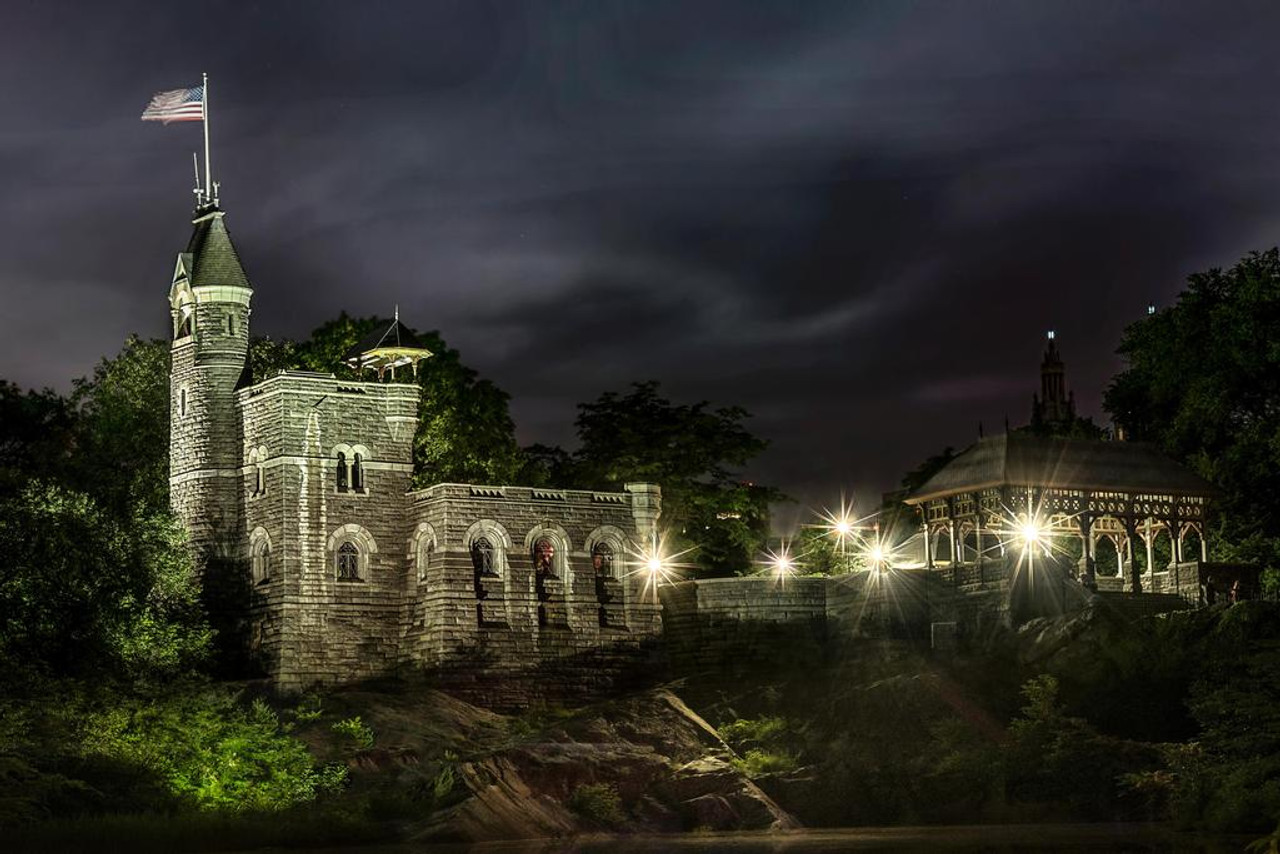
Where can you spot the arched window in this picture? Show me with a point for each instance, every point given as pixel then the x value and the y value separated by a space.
pixel 602 560
pixel 357 472
pixel 544 557
pixel 348 557
pixel 343 480
pixel 426 551
pixel 261 562
pixel 482 557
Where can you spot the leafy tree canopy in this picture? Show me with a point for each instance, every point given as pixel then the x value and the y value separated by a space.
pixel 692 451
pixel 465 431
pixel 122 432
pixel 1203 382
pixel 81 589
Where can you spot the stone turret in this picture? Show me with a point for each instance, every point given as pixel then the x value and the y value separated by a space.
pixel 209 304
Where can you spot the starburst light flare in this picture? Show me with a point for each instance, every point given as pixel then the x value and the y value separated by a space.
pixel 657 564
pixel 781 564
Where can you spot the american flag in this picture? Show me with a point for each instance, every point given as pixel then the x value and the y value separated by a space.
pixel 180 105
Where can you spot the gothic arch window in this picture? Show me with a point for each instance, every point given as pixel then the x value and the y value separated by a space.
pixel 357 472
pixel 261 562
pixel 348 561
pixel 544 557
pixel 602 560
pixel 258 483
pixel 484 558
pixel 260 556
pixel 426 551
pixel 352 547
pixel 344 478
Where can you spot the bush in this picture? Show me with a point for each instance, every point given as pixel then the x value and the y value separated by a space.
pixel 194 747
pixel 757 763
pixel 357 731
pixel 598 802
pixel 745 731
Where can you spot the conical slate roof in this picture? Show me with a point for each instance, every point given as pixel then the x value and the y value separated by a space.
pixel 1020 459
pixel 214 260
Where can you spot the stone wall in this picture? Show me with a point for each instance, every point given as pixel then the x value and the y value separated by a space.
pixel 508 636
pixel 310 626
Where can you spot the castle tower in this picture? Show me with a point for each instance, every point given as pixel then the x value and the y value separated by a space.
pixel 1054 403
pixel 209 303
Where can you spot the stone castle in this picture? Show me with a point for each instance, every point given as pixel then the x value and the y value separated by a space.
pixel 321 562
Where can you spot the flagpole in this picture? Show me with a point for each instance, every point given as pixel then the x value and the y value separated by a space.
pixel 208 169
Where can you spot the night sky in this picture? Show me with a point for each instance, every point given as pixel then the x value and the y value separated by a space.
pixel 857 221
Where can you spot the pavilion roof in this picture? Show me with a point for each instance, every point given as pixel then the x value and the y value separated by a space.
pixel 1021 459
pixel 387 347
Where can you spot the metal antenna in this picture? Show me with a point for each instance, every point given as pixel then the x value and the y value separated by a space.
pixel 195 163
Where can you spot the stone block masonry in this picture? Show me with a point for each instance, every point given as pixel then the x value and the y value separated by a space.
pixel 321 567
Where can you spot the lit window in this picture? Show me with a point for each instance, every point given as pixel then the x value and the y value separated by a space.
pixel 544 557
pixel 602 560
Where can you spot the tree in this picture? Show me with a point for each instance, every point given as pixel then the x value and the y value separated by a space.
pixel 1203 381
pixel 122 433
pixel 36 435
pixel 692 451
pixel 80 591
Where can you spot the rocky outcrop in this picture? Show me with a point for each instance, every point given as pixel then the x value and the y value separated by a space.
pixel 669 769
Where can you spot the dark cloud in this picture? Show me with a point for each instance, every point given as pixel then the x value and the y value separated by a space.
pixel 856 220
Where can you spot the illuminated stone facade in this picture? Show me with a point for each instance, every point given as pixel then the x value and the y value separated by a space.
pixel 323 566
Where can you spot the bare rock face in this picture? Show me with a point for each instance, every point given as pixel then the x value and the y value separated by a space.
pixel 668 768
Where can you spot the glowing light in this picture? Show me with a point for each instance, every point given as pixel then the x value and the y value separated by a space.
pixel 656 565
pixel 781 564
pixel 1032 534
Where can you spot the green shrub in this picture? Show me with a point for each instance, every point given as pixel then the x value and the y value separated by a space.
pixel 745 731
pixel 756 763
pixel 357 731
pixel 598 802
